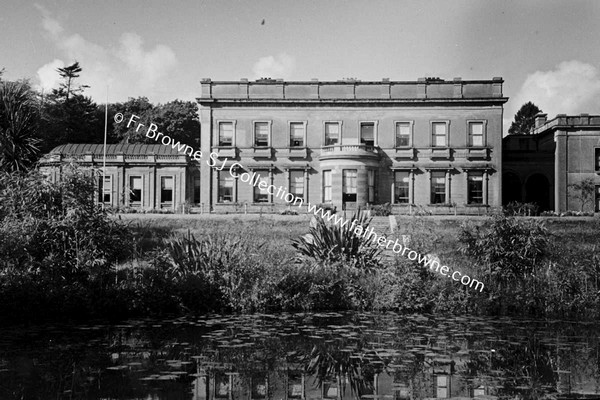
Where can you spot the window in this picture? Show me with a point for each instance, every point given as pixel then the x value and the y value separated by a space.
pixel 261 195
pixel 327 186
pixel 597 208
pixel 475 188
pixel 332 133
pixel 196 189
pixel 261 134
pixel 105 191
pixel 297 184
pixel 349 185
pixel 225 187
pixel 401 187
pixel 166 189
pixel 597 158
pixel 367 133
pixel 403 134
pixel 372 184
pixel 438 187
pixel 226 134
pixel 439 132
pixel 476 134
pixel 442 386
pixel 297 134
pixel 135 190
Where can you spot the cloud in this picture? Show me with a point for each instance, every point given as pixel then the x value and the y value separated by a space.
pixel 573 87
pixel 281 66
pixel 151 65
pixel 127 68
pixel 48 76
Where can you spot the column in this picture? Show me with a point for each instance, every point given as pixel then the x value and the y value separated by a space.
pixel 411 187
pixel 393 187
pixel 271 183
pixel 448 186
pixel 485 187
pixel 560 171
pixel 306 186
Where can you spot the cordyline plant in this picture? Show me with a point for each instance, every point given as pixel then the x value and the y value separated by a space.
pixel 330 243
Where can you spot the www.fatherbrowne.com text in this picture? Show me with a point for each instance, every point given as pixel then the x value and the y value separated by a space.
pixel 255 180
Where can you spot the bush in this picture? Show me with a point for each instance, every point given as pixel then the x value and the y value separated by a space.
pixel 329 242
pixel 381 210
pixel 523 209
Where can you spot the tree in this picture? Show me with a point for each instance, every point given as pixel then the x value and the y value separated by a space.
pixel 583 191
pixel 18 126
pixel 69 74
pixel 524 119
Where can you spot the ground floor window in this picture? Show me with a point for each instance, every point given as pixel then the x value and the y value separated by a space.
pixel 105 190
pixel 475 188
pixel 166 190
pixel 327 186
pixel 261 195
pixel 597 208
pixel 297 184
pixel 225 188
pixel 438 187
pixel 401 187
pixel 135 190
pixel 349 185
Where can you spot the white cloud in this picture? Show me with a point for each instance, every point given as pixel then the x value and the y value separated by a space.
pixel 151 65
pixel 280 66
pixel 573 87
pixel 127 68
pixel 48 76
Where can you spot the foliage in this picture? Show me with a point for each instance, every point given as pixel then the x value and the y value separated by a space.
pixel 18 126
pixel 379 210
pixel 515 208
pixel 329 243
pixel 583 191
pixel 524 119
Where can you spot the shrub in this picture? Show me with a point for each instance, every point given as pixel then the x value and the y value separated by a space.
pixel 329 242
pixel 524 209
pixel 381 210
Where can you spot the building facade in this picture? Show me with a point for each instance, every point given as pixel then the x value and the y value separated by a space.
pixel 542 167
pixel 138 176
pixel 428 144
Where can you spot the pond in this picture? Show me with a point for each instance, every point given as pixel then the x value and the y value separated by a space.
pixel 303 356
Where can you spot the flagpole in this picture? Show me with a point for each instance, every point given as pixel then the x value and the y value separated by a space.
pixel 104 150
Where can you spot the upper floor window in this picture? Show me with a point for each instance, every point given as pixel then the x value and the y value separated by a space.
pixel 367 133
pixel 439 132
pixel 597 159
pixel 476 134
pixel 297 133
pixel 226 134
pixel 403 134
pixel 332 133
pixel 261 134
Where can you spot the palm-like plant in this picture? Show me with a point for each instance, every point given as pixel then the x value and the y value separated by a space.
pixel 331 243
pixel 18 126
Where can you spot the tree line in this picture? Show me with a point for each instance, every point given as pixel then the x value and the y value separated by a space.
pixel 33 122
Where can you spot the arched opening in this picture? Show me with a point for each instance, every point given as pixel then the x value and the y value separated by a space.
pixel 537 190
pixel 511 188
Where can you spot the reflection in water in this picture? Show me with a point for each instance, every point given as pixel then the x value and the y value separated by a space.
pixel 303 356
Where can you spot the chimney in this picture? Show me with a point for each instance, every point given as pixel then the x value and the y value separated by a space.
pixel 540 119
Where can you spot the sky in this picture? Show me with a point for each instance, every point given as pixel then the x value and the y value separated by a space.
pixel 547 51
